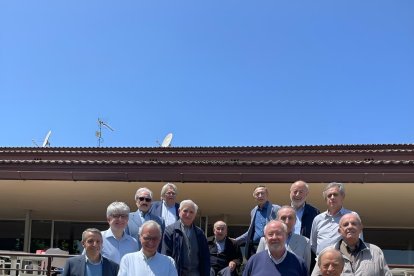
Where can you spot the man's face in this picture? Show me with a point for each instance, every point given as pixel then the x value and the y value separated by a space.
pixel 118 221
pixel 298 194
pixel 330 265
pixel 220 231
pixel 350 228
pixel 150 239
pixel 334 199
pixel 288 216
pixel 187 215
pixel 260 194
pixel 169 196
pixel 275 236
pixel 144 201
pixel 92 244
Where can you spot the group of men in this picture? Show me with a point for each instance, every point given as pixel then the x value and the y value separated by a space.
pixel 160 238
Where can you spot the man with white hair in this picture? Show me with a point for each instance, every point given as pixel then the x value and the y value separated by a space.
pixel 117 243
pixel 186 243
pixel 167 208
pixel 276 259
pixel 305 213
pixel 297 244
pixel 361 258
pixel 330 262
pixel 147 261
pixel 225 255
pixel 143 199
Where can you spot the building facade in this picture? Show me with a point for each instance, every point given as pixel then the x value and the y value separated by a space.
pixel 50 195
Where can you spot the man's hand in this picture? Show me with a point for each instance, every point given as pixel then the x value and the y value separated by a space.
pixel 232 265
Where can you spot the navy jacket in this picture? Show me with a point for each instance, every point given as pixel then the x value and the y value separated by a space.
pixel 173 245
pixel 76 266
pixel 221 260
pixel 309 213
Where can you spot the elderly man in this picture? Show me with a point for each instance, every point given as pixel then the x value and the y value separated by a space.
pixel 167 208
pixel 325 225
pixel 117 243
pixel 305 213
pixel 225 255
pixel 276 260
pixel 297 244
pixel 143 199
pixel 361 258
pixel 259 216
pixel 186 243
pixel 92 262
pixel 330 262
pixel 147 261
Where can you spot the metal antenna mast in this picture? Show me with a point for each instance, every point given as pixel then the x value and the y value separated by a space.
pixel 99 132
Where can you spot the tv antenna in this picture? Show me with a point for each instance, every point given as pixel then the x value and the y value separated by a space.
pixel 166 143
pixel 98 133
pixel 46 141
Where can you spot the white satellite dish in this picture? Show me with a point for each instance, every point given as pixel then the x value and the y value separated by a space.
pixel 167 141
pixel 46 142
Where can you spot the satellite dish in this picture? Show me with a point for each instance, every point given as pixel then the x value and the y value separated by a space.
pixel 167 141
pixel 46 142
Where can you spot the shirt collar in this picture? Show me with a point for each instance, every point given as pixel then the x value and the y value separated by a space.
pixel 145 258
pixel 277 261
pixel 340 212
pixel 93 263
pixel 264 206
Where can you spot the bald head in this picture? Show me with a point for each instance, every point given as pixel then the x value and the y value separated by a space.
pixel 299 190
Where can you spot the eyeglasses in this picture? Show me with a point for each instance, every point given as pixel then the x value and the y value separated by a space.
pixel 119 216
pixel 146 199
pixel 170 194
pixel 153 239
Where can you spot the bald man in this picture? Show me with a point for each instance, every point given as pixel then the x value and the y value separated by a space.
pixel 225 255
pixel 361 258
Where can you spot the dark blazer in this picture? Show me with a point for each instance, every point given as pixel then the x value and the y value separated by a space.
pixel 221 260
pixel 173 245
pixel 76 266
pixel 309 213
pixel 156 209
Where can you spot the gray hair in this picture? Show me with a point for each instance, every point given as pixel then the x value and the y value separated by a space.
pixel 286 207
pixel 260 186
pixel 117 207
pixel 340 258
pixel 91 230
pixel 219 223
pixel 140 190
pixel 340 186
pixel 284 226
pixel 150 224
pixel 188 202
pixel 355 214
pixel 166 187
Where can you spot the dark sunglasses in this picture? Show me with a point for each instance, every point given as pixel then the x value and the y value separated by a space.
pixel 147 199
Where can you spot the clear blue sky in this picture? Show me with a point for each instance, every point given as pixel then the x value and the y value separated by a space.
pixel 214 73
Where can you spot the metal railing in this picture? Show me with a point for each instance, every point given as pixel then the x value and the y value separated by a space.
pixel 401 269
pixel 22 263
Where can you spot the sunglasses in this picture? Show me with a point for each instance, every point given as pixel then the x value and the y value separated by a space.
pixel 146 199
